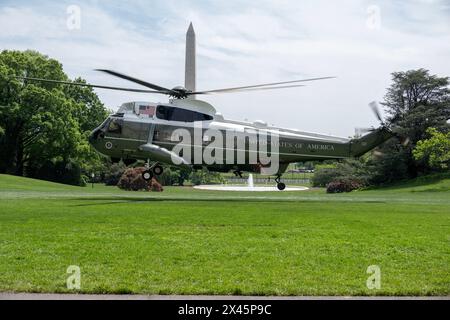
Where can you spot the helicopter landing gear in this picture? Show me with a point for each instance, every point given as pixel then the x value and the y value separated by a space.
pixel 238 173
pixel 280 185
pixel 157 170
pixel 147 175
pixel 154 170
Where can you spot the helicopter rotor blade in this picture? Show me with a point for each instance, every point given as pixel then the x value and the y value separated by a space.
pixel 363 131
pixel 233 89
pixel 250 89
pixel 91 85
pixel 138 81
pixel 405 141
pixel 376 110
pixel 176 93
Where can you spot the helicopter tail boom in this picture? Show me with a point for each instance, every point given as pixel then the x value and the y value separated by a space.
pixel 360 146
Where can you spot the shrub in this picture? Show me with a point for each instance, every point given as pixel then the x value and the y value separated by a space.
pixel 343 185
pixel 168 177
pixel 324 176
pixel 204 176
pixel 132 179
pixel 344 170
pixel 435 151
pixel 114 174
pixel 60 171
pixel 156 186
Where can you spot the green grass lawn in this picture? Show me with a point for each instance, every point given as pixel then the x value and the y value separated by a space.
pixel 186 241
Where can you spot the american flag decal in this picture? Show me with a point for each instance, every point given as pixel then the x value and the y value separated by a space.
pixel 148 110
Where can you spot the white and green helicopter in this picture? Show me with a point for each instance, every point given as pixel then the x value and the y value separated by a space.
pixel 148 131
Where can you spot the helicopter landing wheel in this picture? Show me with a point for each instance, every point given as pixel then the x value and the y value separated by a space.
pixel 281 186
pixel 147 175
pixel 158 170
pixel 238 173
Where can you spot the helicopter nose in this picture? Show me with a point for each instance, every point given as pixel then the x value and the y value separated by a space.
pixel 94 136
pixel 91 138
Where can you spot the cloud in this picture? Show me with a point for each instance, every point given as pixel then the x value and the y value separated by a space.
pixel 239 43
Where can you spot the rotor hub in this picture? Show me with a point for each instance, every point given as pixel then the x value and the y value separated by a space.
pixel 181 92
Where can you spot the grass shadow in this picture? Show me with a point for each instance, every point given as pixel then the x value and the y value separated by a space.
pixel 110 200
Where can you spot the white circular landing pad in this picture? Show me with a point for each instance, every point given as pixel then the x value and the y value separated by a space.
pixel 245 188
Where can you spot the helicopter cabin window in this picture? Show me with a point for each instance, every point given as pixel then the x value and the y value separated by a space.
pixel 147 110
pixel 179 114
pixel 115 126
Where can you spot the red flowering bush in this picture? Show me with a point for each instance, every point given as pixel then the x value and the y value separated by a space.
pixel 132 180
pixel 343 185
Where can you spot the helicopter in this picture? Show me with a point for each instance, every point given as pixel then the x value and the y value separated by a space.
pixel 141 130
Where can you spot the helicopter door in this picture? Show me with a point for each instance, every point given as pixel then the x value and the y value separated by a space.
pixel 147 129
pixel 150 132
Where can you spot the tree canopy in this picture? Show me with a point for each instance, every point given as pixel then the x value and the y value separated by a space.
pixel 415 101
pixel 418 108
pixel 44 124
pixel 434 150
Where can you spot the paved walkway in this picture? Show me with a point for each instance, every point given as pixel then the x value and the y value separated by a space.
pixel 57 296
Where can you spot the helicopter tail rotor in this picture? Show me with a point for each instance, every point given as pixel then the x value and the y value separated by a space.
pixel 404 140
pixel 376 110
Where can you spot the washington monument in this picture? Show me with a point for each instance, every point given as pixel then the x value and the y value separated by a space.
pixel 189 80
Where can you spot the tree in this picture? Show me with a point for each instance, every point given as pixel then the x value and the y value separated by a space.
pixel 89 110
pixel 43 122
pixel 435 150
pixel 90 113
pixel 415 101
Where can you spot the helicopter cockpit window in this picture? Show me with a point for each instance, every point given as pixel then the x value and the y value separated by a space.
pixel 115 126
pixel 162 112
pixel 179 114
pixel 201 117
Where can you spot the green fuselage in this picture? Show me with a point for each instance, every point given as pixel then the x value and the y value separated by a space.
pixel 127 143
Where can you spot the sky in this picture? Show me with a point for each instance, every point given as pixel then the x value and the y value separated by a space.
pixel 240 43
